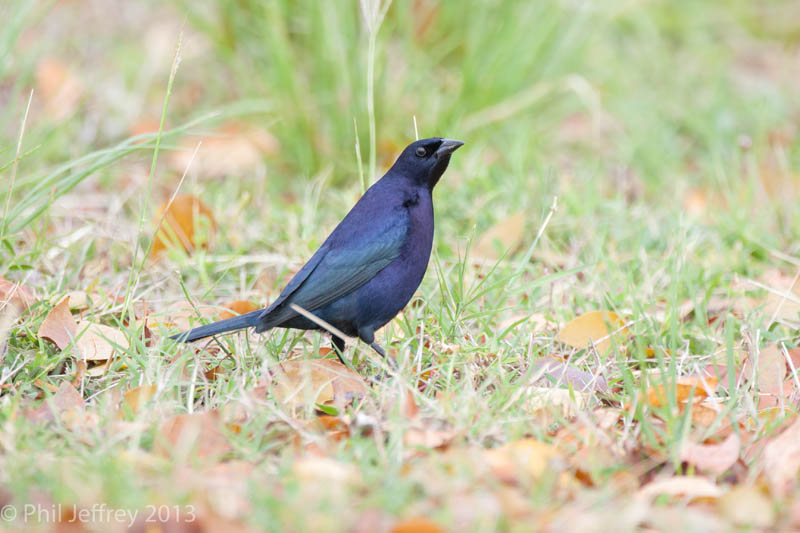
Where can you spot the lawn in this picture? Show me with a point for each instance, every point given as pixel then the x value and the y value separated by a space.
pixel 607 334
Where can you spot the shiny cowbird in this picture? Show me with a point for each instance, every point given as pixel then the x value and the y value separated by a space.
pixel 368 268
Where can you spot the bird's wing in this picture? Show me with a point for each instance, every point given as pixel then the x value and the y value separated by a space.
pixel 335 270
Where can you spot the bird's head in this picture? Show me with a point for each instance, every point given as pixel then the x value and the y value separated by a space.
pixel 425 161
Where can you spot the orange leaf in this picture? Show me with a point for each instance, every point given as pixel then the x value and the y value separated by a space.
pixel 702 387
pixel 594 326
pixel 180 223
pixel 239 307
pixel 527 457
pixel 417 525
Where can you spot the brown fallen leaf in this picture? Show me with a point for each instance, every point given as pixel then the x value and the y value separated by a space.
pixel 714 458
pixel 768 367
pixel 59 87
pixel 15 294
pixel 67 406
pixel 521 459
pixel 598 327
pixel 692 487
pixel 504 236
pixel 324 472
pixel 428 437
pixel 59 327
pixel 97 342
pixel 14 299
pixel 706 413
pixel 780 461
pixel 192 435
pixel 748 507
pixel 300 383
pixel 183 315
pixel 783 300
pixel 552 404
pixel 180 224
pixel 234 149
pixel 137 397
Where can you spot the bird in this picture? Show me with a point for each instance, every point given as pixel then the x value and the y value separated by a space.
pixel 369 267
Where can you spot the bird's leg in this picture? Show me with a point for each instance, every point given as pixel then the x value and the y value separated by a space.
pixel 338 347
pixel 389 359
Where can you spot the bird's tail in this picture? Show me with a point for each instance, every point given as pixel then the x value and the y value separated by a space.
pixel 229 324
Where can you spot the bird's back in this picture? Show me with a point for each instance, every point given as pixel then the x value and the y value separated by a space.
pixel 371 238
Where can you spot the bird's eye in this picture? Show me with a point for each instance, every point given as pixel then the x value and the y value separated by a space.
pixel 421 152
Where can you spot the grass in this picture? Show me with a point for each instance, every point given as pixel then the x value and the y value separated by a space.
pixel 665 131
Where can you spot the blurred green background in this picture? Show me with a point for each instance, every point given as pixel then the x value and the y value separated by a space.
pixel 661 92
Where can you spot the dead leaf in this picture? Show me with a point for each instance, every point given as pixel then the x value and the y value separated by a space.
pixel 692 487
pixel 769 368
pixel 14 299
pixel 182 315
pixel 58 326
pixel 235 149
pixel 528 458
pixel 15 294
pixel 184 217
pixel 552 372
pixel 427 437
pixel 546 401
pixel 747 506
pixel 238 307
pixel 300 383
pixel 59 87
pixel 78 300
pixel 67 406
pixel 192 435
pixel 417 525
pixel 781 460
pixel 695 201
pixel 137 397
pixel 783 301
pixel 98 342
pixel 685 386
pixel 595 326
pixel 714 458
pixel 706 412
pixel 505 236
pixel 323 472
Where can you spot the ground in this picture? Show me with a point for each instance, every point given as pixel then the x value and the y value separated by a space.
pixel 607 335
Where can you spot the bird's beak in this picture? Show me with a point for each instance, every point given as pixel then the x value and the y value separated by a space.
pixel 447 147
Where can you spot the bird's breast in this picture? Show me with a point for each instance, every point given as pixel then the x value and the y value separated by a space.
pixel 385 295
